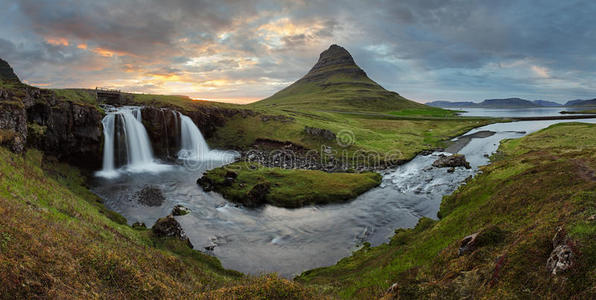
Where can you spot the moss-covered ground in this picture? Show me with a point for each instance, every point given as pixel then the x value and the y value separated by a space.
pixel 290 188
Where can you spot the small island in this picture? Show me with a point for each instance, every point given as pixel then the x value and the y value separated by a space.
pixel 253 185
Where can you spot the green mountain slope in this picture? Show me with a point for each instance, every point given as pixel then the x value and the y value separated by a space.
pixel 337 83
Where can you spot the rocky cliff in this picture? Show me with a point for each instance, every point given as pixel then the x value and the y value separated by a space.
pixel 68 131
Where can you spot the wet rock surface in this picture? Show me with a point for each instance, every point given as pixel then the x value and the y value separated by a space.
pixel 453 161
pixel 206 184
pixel 180 210
pixel 149 196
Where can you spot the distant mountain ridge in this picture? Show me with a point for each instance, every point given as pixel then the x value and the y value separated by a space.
pixel 510 103
pixel 335 82
pixel 579 102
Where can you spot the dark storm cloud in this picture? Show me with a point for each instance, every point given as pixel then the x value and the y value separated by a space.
pixel 423 49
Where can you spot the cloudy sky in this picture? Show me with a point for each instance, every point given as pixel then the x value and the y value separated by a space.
pixel 248 49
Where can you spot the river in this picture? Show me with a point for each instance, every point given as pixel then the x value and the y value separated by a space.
pixel 290 241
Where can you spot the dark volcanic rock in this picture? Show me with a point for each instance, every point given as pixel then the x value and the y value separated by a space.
pixel 150 196
pixel 169 227
pixel 206 184
pixel 72 132
pixel 257 195
pixel 453 161
pixel 180 210
pixel 320 132
pixel 13 126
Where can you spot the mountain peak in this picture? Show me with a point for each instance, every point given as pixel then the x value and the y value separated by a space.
pixel 334 56
pixel 6 72
pixel 336 82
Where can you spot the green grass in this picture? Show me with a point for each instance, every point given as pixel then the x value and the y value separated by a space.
pixel 430 112
pixel 79 96
pixel 402 137
pixel 540 182
pixel 291 188
pixel 183 102
pixel 57 240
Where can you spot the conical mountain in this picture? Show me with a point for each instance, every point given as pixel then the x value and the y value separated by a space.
pixel 335 82
pixel 6 72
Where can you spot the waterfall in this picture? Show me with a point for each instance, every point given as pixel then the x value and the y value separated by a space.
pixel 137 140
pixel 193 144
pixel 108 149
pixel 139 156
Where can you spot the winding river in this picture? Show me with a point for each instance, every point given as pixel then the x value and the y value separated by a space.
pixel 290 241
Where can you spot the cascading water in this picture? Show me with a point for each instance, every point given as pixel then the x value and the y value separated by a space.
pixel 137 141
pixel 108 169
pixel 139 156
pixel 193 144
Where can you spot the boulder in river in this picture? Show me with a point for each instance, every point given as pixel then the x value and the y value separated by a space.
pixel 453 161
pixel 169 227
pixel 206 184
pixel 149 196
pixel 180 210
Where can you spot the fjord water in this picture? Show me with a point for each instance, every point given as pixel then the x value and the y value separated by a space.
pixel 289 241
pixel 516 112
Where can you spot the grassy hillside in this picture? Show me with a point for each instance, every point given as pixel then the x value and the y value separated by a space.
pixel 58 241
pixel 338 92
pixel 535 184
pixel 377 133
